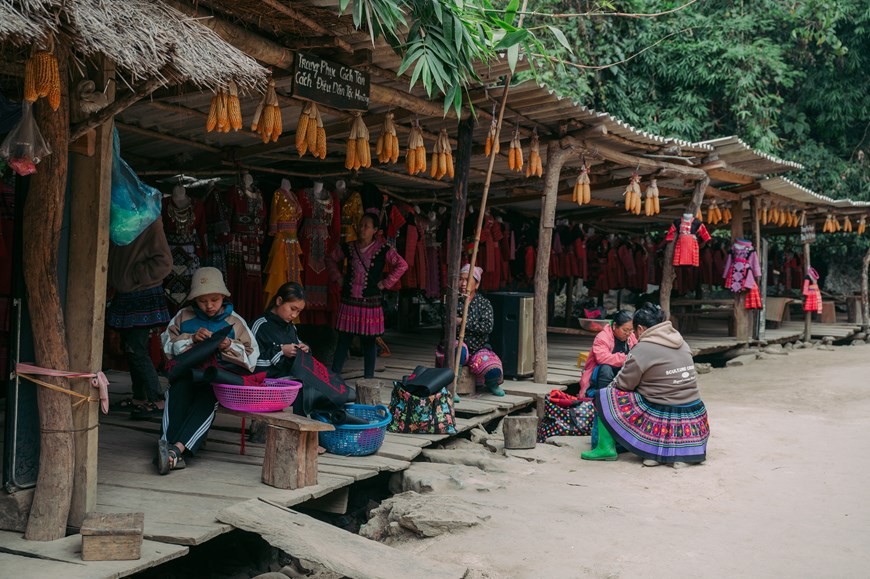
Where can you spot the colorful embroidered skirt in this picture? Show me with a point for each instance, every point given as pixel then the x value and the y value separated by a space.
pixel 362 316
pixel 141 309
pixel 482 363
pixel 813 302
pixel 753 299
pixel 686 251
pixel 655 431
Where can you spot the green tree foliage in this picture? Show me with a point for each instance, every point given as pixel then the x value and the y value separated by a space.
pixel 789 77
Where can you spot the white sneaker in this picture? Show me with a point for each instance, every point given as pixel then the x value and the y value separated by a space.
pixel 651 462
pixel 681 464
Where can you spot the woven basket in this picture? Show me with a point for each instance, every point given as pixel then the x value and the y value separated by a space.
pixel 274 395
pixel 358 439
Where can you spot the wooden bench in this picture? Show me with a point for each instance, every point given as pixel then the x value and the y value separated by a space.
pixel 291 447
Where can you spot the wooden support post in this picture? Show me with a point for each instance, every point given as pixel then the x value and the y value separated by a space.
pixel 520 432
pixel 668 274
pixel 43 220
pixel 368 391
pixel 865 298
pixel 761 248
pixel 808 316
pixel 742 328
pixel 454 237
pixel 556 157
pixel 90 199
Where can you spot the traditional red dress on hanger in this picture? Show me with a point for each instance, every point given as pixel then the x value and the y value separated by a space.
pixel 687 230
pixel 320 232
pixel 247 216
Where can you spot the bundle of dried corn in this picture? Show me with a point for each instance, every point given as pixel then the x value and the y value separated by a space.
pixel 515 153
pixel 847 225
pixel 267 118
pixel 492 144
pixel 359 153
pixel 534 167
pixel 310 134
pixel 714 214
pixel 442 157
pixel 651 202
pixel 862 225
pixel 415 158
pixel 582 192
pixel 41 78
pixel 633 196
pixel 387 145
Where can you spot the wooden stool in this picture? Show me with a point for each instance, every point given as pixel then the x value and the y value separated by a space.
pixel 112 536
pixel 829 313
pixel 466 384
pixel 291 447
pixel 520 432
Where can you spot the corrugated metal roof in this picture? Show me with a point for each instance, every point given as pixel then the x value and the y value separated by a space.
pixel 796 192
pixel 743 158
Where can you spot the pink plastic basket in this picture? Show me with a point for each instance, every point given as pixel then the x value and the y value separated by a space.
pixel 272 396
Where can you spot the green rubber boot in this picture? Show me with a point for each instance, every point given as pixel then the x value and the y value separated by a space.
pixel 606 448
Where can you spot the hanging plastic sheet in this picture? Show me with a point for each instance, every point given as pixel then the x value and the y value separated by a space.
pixel 135 205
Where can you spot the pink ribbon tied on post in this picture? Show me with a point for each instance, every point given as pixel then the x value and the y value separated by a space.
pixel 98 381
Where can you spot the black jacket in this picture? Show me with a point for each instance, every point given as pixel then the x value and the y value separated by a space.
pixel 271 332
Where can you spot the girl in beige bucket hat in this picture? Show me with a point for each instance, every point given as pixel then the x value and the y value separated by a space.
pixel 190 408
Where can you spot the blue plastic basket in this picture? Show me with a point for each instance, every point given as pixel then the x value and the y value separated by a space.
pixel 357 439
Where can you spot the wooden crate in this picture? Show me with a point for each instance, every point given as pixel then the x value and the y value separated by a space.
pixel 112 536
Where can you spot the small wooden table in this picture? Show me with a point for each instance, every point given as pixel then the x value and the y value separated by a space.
pixel 291 447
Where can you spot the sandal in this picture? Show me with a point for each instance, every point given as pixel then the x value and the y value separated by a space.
pixel 125 404
pixel 176 458
pixel 162 459
pixel 385 350
pixel 145 411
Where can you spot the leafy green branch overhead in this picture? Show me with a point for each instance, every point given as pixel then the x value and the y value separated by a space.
pixel 440 41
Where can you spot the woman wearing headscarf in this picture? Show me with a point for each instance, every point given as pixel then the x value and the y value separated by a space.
pixel 477 353
pixel 653 408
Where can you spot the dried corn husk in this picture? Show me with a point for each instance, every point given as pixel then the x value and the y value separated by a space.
pixel 534 167
pixel 582 193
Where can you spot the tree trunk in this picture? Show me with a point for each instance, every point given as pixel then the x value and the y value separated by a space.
pixel 668 266
pixel 741 315
pixel 454 237
pixel 556 157
pixel 43 219
pixel 865 299
pixel 761 248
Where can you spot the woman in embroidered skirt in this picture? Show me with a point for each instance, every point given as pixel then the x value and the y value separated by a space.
pixel 653 408
pixel 477 354
pixel 361 312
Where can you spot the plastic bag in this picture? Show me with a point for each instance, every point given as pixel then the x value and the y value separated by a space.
pixel 24 146
pixel 135 205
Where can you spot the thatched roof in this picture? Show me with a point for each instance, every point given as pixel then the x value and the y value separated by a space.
pixel 145 38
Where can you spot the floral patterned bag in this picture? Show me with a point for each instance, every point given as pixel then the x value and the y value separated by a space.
pixel 421 414
pixel 575 420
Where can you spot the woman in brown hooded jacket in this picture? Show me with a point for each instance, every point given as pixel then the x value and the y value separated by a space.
pixel 653 407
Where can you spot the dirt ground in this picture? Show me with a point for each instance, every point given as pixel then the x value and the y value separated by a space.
pixel 785 491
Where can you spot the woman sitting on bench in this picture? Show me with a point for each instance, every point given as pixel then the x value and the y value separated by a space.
pixel 609 350
pixel 190 403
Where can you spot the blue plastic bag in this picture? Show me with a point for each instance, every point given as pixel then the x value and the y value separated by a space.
pixel 135 205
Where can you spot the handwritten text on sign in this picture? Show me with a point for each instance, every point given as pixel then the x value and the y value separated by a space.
pixel 330 83
pixel 808 233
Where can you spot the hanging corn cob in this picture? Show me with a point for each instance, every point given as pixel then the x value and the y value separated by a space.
pixel 358 150
pixel 267 120
pixel 535 166
pixel 515 153
pixel 234 107
pixel 415 158
pixel 862 225
pixel 652 198
pixel 633 201
pixel 725 216
pixel 828 226
pixel 219 113
pixel 310 133
pixel 711 214
pixel 764 210
pixel 41 78
pixel 442 157
pixel 847 225
pixel 387 145
pixel 698 214
pixel 492 145
pixel 582 193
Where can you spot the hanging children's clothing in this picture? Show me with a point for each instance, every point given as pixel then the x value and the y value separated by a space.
pixel 687 230
pixel 319 235
pixel 742 272
pixel 185 233
pixel 811 291
pixel 217 230
pixel 284 263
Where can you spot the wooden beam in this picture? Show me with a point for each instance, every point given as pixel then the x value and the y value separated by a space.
pixel 90 200
pixel 663 168
pixel 730 176
pixel 164 137
pixel 426 181
pixel 100 117
pixel 722 194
